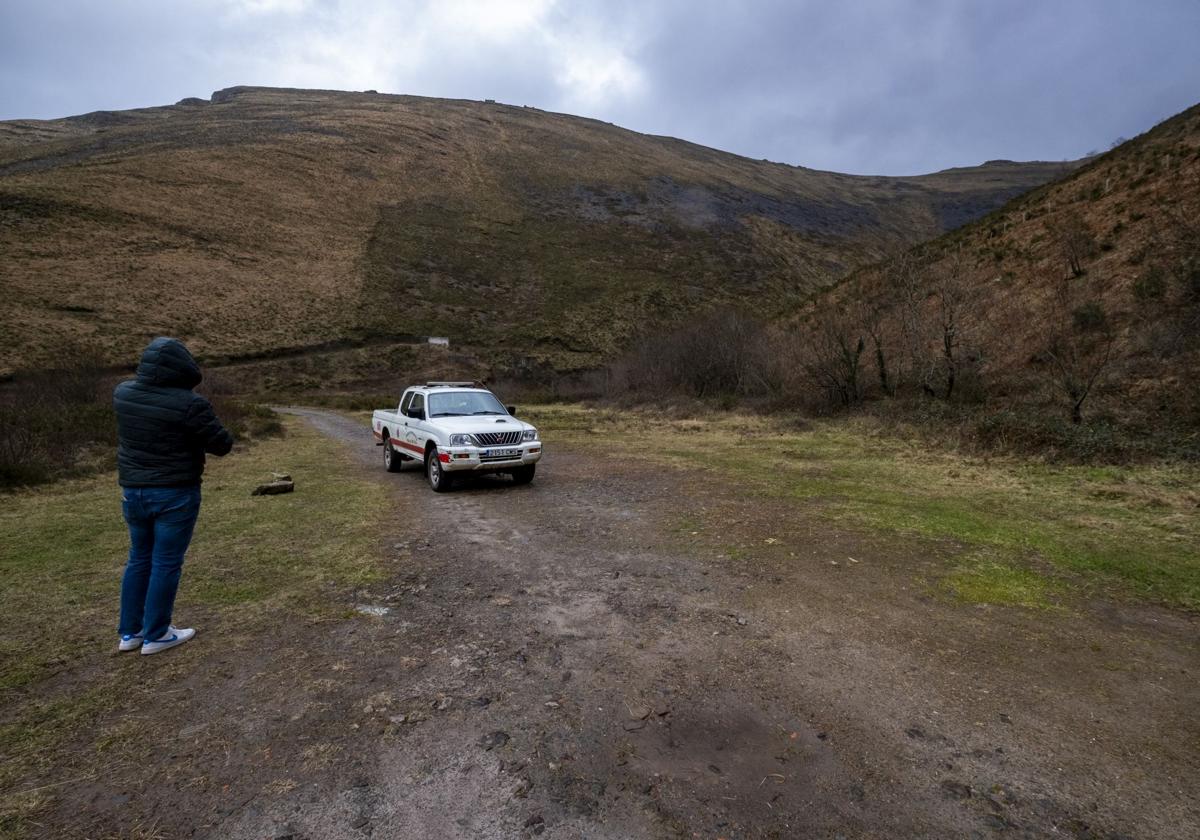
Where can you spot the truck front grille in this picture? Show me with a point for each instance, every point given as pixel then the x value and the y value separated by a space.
pixel 498 438
pixel 487 459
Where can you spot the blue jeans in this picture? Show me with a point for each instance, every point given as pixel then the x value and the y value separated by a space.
pixel 161 520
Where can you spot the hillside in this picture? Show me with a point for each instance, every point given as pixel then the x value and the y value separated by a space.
pixel 264 221
pixel 1086 289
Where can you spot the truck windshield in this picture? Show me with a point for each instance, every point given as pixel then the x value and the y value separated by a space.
pixel 464 404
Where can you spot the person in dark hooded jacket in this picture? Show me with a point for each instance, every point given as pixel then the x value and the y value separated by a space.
pixel 164 431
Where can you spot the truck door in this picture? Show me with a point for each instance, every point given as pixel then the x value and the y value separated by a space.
pixel 415 434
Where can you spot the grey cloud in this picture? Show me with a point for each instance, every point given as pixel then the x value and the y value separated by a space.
pixel 875 86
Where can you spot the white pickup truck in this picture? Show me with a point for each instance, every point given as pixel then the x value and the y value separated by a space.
pixel 456 428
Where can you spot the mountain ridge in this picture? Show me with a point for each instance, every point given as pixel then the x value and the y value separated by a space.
pixel 271 218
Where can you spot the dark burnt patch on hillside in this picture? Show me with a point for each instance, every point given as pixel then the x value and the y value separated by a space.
pixel 663 201
pixel 953 210
pixel 184 130
pixel 22 210
pixel 551 279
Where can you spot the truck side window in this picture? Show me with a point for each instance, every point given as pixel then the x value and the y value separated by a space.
pixel 416 404
pixel 405 401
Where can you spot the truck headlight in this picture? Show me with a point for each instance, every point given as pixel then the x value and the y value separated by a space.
pixel 461 440
pixel 530 434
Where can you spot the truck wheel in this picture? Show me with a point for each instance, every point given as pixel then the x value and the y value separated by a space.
pixel 391 458
pixel 524 475
pixel 440 480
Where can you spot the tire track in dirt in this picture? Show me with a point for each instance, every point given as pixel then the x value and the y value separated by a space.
pixel 554 661
pixel 607 662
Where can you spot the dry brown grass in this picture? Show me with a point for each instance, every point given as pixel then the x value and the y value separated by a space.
pixel 1137 205
pixel 268 220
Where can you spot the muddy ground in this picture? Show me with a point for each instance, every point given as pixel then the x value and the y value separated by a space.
pixel 619 651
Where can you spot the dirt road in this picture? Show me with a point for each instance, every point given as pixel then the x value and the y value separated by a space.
pixel 617 651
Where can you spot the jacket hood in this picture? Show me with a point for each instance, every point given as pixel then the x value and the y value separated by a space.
pixel 166 362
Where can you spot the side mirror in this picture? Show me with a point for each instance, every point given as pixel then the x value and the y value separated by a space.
pixel 417 413
pixel 511 409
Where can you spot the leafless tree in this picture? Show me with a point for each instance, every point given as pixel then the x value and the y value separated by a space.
pixel 952 296
pixel 875 322
pixel 1079 346
pixel 1175 256
pixel 906 276
pixel 833 357
pixel 1074 240
pixel 934 311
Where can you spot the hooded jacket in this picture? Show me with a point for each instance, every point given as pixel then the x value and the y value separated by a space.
pixel 164 429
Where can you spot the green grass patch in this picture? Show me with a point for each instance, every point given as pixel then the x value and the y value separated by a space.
pixel 252 560
pixel 989 582
pixel 62 548
pixel 1128 530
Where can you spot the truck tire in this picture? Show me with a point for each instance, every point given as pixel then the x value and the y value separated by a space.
pixel 392 460
pixel 439 480
pixel 524 475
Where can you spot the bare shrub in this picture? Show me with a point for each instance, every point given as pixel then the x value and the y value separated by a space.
pixel 875 324
pixel 55 423
pixel 832 357
pixel 727 353
pixel 935 314
pixel 550 386
pixel 1170 286
pixel 905 277
pixel 952 301
pixel 1074 240
pixel 1079 343
pixel 244 418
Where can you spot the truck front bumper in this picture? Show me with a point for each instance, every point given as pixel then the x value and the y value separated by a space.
pixel 473 459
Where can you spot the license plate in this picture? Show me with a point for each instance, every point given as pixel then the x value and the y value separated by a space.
pixel 501 453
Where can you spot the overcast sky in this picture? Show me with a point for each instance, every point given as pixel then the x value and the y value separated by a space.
pixel 866 86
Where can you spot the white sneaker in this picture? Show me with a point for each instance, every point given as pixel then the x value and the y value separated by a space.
pixel 174 636
pixel 129 642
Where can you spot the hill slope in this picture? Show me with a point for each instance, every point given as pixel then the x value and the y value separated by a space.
pixel 268 220
pixel 1087 289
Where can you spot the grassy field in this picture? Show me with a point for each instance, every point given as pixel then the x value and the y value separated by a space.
pixel 1033 533
pixel 254 561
